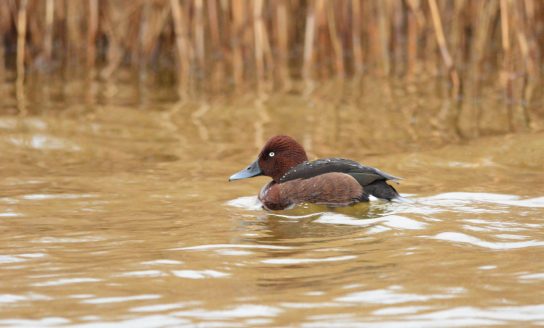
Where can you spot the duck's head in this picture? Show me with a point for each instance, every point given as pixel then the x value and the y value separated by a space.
pixel 279 154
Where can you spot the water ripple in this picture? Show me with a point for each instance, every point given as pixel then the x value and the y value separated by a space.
pixel 392 295
pixel 203 274
pixel 162 307
pixel 304 261
pixel 506 313
pixel 65 281
pixel 471 197
pixel 457 237
pixel 13 298
pixel 103 300
pixel 389 221
pixel 207 247
pixel 162 262
pixel 144 273
pixel 250 203
pixel 44 322
pixel 532 276
pixel 241 311
pixel 10 259
pixel 55 196
pixel 9 214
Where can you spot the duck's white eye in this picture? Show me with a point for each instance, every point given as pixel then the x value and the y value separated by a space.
pixel 271 154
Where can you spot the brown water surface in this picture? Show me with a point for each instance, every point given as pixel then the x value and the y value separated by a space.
pixel 115 209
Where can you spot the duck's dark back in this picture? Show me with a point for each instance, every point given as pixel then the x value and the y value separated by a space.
pixel 365 175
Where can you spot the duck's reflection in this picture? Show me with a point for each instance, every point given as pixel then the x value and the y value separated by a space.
pixel 313 253
pixel 305 223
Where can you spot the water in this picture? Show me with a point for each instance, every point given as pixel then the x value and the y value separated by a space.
pixel 115 210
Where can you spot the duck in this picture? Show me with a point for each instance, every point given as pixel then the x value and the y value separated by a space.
pixel 333 182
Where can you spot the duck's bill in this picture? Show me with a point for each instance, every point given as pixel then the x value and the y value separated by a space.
pixel 252 170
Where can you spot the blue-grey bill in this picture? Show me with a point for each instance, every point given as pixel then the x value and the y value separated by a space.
pixel 252 170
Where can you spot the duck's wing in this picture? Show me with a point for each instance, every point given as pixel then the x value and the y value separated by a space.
pixel 365 175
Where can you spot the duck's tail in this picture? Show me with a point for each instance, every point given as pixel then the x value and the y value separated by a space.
pixel 380 189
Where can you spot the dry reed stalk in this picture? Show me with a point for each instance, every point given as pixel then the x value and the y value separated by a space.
pixel 35 34
pixel 131 42
pixel 505 32
pixel 92 29
pixel 479 40
pixel 238 14
pixel 371 32
pixel 522 36
pixel 2 61
pixel 267 48
pixel 259 42
pixel 448 61
pixel 183 48
pixel 114 50
pixel 217 72
pixel 21 40
pixel 429 55
pixel 309 36
pixel 399 39
pixel 531 12
pixel 415 6
pixel 506 74
pixel 457 29
pixel 199 33
pixel 335 40
pixel 49 20
pixel 524 64
pixel 136 38
pixel 213 21
pixel 5 24
pixel 283 42
pixel 483 28
pixel 142 35
pixel 21 37
pixel 322 56
pixel 383 37
pixel 73 33
pixel 154 20
pixel 358 58
pixel 321 60
pixel 411 42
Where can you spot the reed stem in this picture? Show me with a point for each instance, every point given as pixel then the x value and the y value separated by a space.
pixel 448 61
pixel 235 41
pixel 21 40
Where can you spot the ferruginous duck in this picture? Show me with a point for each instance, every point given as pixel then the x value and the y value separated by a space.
pixel 327 181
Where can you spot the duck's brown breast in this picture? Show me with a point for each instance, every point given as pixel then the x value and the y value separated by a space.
pixel 337 189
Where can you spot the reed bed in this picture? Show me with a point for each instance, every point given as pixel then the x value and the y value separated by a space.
pixel 234 42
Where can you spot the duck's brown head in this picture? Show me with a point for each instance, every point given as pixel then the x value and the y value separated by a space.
pixel 279 154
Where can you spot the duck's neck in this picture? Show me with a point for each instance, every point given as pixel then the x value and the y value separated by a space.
pixel 286 167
